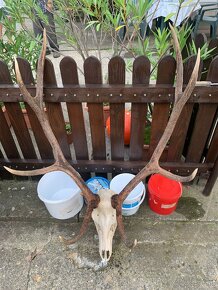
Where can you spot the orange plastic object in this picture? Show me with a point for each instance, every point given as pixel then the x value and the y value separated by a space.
pixel 127 127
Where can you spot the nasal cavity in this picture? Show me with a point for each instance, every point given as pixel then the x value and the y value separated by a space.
pixel 106 255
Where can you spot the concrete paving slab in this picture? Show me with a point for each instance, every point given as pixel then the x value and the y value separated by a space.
pixel 175 252
pixel 19 199
pixel 14 268
pixel 24 235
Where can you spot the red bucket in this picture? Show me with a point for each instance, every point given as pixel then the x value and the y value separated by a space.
pixel 164 194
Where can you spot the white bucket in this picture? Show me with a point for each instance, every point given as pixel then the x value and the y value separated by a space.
pixel 60 195
pixel 134 199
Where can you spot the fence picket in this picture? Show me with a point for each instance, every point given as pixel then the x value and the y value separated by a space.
pixel 200 40
pixel 6 138
pixel 93 75
pixel 116 74
pixel 160 115
pixel 212 151
pixel 55 113
pixel 17 120
pixel 69 75
pixel 44 147
pixel 178 138
pixel 213 44
pixel 203 122
pixel 141 75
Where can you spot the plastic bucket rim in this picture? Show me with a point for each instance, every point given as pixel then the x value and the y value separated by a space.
pixel 137 197
pixel 75 189
pixel 97 177
pixel 117 176
pixel 151 193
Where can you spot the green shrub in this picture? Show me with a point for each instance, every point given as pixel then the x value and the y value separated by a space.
pixel 18 43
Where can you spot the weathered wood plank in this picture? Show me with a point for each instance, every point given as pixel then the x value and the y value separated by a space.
pixel 55 113
pixel 17 120
pixel 203 122
pixel 93 75
pixel 213 147
pixel 160 115
pixel 44 147
pixel 116 75
pixel 69 76
pixel 212 179
pixel 213 44
pixel 110 165
pixel 200 40
pixel 178 138
pixel 6 138
pixel 114 94
pixel 141 75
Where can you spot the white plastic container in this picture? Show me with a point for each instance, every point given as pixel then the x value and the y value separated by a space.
pixel 60 195
pixel 127 211
pixel 134 199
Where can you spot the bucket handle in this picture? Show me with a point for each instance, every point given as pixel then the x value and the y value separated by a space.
pixel 142 199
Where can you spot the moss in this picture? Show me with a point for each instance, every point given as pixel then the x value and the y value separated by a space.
pixel 190 208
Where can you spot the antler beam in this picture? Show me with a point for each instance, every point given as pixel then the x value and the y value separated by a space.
pixel 153 165
pixel 36 103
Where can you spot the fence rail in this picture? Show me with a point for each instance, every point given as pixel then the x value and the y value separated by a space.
pixel 194 142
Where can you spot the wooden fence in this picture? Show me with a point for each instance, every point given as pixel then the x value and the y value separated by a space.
pixel 194 142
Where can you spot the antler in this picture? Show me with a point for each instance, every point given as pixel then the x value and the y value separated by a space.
pixel 153 165
pixel 36 103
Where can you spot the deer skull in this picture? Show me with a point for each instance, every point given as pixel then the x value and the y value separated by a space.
pixel 106 207
pixel 104 217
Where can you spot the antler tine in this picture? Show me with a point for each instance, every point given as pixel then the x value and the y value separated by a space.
pixel 33 172
pixel 36 103
pixel 123 236
pixel 180 99
pixel 40 71
pixel 83 228
pixel 177 109
pixel 179 65
pixel 178 177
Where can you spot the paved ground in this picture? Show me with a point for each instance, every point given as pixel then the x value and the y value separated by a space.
pixel 179 251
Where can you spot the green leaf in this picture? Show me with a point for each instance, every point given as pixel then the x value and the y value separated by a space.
pixel 169 16
pixel 119 27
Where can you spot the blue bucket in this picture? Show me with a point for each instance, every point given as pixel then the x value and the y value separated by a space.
pixel 96 183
